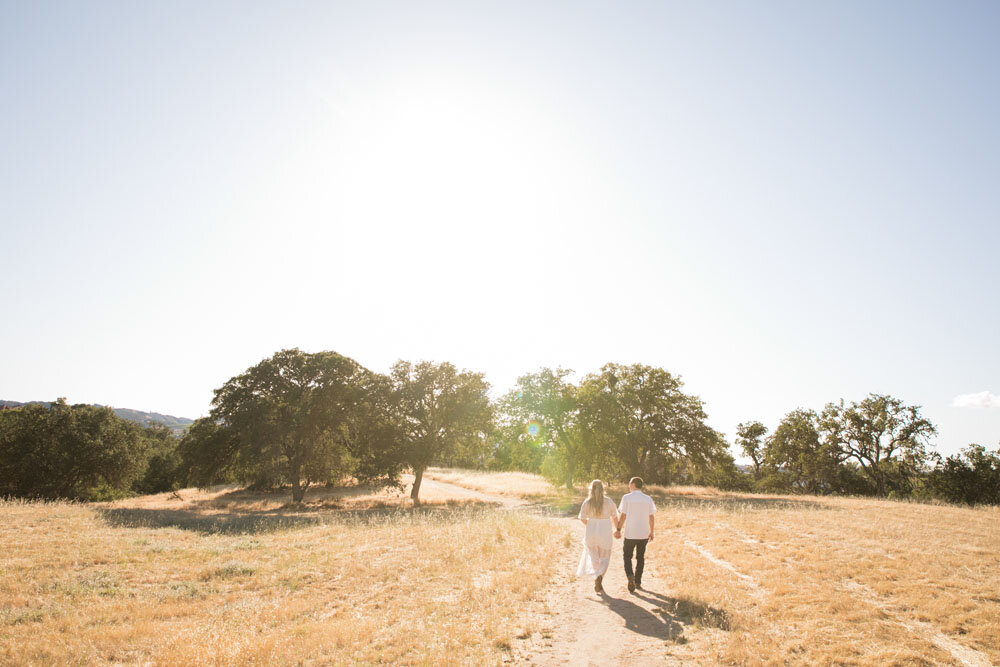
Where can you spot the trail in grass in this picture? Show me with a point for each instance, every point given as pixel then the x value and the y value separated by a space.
pixel 614 627
pixel 747 580
pixel 584 627
pixel 964 655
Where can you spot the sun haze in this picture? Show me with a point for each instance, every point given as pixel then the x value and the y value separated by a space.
pixel 784 204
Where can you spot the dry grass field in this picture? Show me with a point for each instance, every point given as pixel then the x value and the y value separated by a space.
pixel 235 578
pixel 837 581
pixel 354 577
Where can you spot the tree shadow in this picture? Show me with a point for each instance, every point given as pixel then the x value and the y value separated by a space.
pixel 669 619
pixel 281 519
pixel 226 523
pixel 316 497
pixel 551 508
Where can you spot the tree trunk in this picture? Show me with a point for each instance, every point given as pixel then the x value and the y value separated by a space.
pixel 874 475
pixel 880 481
pixel 418 476
pixel 643 464
pixel 569 471
pixel 295 472
pixel 635 468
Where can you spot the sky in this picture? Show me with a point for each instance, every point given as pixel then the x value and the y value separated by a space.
pixel 784 203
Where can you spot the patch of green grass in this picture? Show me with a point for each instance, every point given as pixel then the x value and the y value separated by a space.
pixel 19 616
pixel 178 590
pixel 229 570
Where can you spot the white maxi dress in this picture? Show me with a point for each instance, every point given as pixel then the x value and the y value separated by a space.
pixel 598 539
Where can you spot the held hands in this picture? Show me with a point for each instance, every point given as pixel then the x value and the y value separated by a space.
pixel 618 534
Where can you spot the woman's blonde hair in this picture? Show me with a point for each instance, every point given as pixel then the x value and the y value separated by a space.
pixel 595 498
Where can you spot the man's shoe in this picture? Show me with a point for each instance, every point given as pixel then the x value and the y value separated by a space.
pixel 631 584
pixel 637 584
pixel 597 583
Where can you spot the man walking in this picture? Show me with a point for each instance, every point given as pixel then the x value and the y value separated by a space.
pixel 636 514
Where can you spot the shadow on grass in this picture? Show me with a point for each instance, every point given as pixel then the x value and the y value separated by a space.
pixel 668 620
pixel 225 523
pixel 686 611
pixel 317 497
pixel 553 506
pixel 286 518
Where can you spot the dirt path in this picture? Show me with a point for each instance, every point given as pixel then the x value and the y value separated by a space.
pixel 613 628
pixel 616 627
pixel 587 628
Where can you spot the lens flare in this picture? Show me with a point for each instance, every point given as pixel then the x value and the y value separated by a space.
pixel 533 428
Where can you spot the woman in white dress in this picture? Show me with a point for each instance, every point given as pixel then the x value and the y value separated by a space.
pixel 597 513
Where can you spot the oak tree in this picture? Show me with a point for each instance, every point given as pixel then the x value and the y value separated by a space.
pixel 640 413
pixel 797 454
pixel 881 433
pixel 438 411
pixel 546 406
pixel 288 419
pixel 750 438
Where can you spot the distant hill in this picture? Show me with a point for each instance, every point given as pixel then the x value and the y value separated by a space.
pixel 177 424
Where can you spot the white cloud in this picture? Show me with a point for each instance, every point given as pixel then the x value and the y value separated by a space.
pixel 984 399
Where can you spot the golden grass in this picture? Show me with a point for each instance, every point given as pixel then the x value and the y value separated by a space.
pixel 835 580
pixel 231 577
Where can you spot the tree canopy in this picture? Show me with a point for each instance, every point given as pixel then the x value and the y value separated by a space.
pixel 971 477
pixel 300 418
pixel 69 451
pixel 881 433
pixel 547 407
pixel 290 418
pixel 750 440
pixel 639 414
pixel 796 458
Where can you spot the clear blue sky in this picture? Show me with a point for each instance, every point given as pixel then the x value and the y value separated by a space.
pixel 786 203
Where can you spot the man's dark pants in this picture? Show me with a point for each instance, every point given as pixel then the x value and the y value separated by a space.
pixel 639 547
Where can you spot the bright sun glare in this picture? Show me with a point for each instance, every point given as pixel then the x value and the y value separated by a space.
pixel 469 178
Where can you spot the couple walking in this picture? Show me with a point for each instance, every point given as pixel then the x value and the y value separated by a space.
pixel 599 514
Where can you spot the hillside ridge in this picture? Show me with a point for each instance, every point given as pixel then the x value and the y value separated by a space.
pixel 176 424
